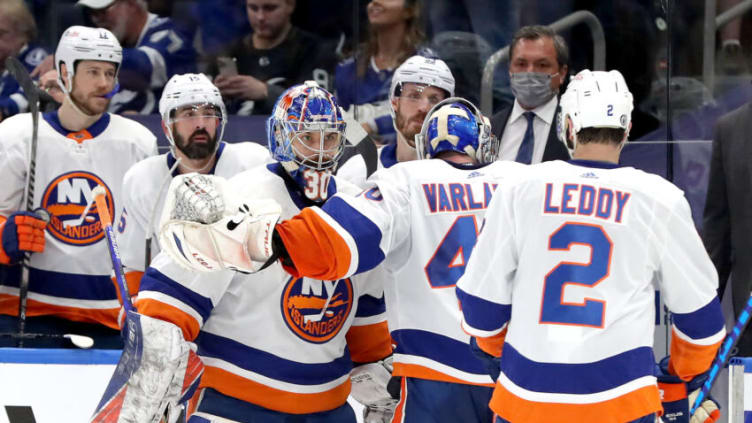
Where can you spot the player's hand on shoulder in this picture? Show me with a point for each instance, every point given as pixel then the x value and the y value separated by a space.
pixel 23 232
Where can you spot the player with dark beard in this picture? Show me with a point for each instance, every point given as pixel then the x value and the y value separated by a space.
pixel 193 120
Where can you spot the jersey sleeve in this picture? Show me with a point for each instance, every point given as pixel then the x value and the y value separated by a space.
pixel 689 282
pixel 180 296
pixel 13 163
pixel 134 219
pixel 368 338
pixel 485 290
pixel 354 171
pixel 349 234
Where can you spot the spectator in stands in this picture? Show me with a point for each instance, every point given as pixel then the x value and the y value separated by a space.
pixel 731 59
pixel 275 56
pixel 727 221
pixel 537 68
pixel 362 81
pixel 153 50
pixel 17 30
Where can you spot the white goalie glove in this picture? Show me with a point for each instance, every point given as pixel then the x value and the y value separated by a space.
pixel 369 382
pixel 205 227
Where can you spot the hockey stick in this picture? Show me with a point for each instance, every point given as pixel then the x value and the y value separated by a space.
pixel 17 69
pixel 81 341
pixel 99 194
pixel 720 362
pixel 358 137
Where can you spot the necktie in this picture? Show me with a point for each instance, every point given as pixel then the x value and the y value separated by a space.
pixel 525 153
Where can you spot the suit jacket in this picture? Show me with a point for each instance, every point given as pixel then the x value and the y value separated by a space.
pixel 727 220
pixel 555 149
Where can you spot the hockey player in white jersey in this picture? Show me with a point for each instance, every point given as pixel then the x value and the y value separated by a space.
pixel 417 85
pixel 276 348
pixel 564 273
pixel 419 220
pixel 80 146
pixel 193 119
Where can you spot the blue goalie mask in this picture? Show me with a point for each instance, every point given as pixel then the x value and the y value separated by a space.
pixel 306 128
pixel 455 124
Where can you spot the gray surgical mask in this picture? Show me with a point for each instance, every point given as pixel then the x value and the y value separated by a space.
pixel 531 89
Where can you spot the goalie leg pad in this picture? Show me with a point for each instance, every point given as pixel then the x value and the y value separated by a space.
pixel 156 371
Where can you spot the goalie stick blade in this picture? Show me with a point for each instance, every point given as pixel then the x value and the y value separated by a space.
pixel 359 138
pixel 108 409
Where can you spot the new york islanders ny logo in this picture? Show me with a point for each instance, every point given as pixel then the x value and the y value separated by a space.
pixel 69 200
pixel 316 310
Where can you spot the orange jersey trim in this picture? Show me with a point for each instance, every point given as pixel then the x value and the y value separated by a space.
pixel 316 249
pixel 628 407
pixel 399 410
pixel 271 398
pixel 4 258
pixel 369 343
pixel 689 360
pixel 421 372
pixel 168 313
pixel 493 344
pixel 101 316
pixel 132 280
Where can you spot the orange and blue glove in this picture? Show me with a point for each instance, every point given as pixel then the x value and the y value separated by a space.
pixel 22 232
pixel 677 396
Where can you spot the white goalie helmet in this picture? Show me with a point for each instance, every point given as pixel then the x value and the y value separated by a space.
pixel 188 90
pixel 594 99
pixel 422 70
pixel 85 43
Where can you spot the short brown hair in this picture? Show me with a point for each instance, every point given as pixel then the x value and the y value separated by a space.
pixel 535 32
pixel 600 135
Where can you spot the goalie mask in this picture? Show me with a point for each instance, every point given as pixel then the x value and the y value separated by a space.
pixel 306 134
pixel 193 99
pixel 455 124
pixel 594 100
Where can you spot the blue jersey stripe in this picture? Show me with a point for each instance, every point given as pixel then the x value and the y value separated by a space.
pixel 369 305
pixel 63 285
pixel 154 280
pixel 580 379
pixel 269 365
pixel 367 236
pixel 702 323
pixel 439 348
pixel 483 314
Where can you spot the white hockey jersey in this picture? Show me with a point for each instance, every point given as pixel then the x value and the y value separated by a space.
pixel 145 186
pixel 277 341
pixel 354 170
pixel 71 278
pixel 420 219
pixel 567 264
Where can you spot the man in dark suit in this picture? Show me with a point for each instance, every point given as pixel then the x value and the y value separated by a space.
pixel 727 221
pixel 537 69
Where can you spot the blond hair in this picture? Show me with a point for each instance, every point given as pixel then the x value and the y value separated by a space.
pixel 21 17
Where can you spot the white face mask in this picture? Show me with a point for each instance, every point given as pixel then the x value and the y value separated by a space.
pixel 531 89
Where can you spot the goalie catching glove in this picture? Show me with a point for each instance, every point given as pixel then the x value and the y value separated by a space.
pixel 206 227
pixel 369 387
pixel 677 397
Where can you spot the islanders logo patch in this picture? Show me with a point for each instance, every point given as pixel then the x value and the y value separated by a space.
pixel 316 310
pixel 69 200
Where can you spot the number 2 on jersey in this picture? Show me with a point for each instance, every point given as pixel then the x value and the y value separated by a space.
pixel 589 312
pixel 450 258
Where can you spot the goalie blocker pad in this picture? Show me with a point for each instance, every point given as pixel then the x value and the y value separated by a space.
pixel 206 227
pixel 157 373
